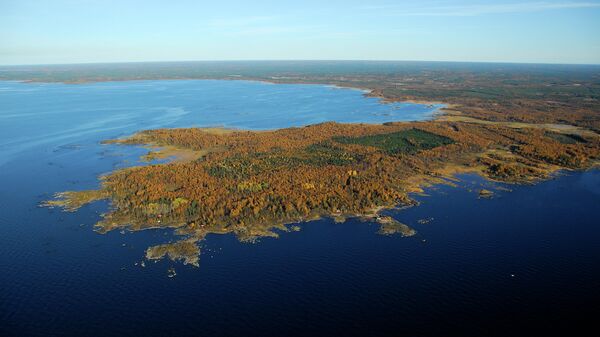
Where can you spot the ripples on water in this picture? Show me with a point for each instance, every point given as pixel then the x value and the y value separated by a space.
pixel 481 267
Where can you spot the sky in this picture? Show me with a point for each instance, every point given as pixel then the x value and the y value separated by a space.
pixel 87 31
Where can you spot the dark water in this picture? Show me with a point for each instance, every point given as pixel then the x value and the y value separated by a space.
pixel 524 262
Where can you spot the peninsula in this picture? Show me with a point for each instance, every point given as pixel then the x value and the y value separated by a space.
pixel 250 183
pixel 509 123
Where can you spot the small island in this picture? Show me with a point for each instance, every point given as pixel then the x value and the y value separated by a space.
pixel 252 183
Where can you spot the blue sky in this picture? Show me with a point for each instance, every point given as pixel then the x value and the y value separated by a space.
pixel 78 31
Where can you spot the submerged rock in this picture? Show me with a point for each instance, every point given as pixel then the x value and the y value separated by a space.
pixel 425 221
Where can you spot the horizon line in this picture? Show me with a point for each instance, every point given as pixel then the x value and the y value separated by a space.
pixel 294 60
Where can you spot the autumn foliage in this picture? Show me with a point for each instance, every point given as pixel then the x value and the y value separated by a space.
pixel 249 183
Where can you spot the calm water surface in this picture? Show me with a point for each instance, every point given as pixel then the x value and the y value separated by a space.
pixel 525 261
pixel 34 116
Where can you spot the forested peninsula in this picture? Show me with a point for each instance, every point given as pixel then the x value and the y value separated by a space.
pixel 253 183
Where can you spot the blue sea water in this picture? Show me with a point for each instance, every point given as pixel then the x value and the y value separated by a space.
pixel 525 261
pixel 49 115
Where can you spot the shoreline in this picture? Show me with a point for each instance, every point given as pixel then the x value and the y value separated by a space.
pixel 448 112
pixel 367 92
pixel 218 163
pixel 250 230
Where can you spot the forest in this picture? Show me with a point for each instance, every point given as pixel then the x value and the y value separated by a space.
pixel 250 183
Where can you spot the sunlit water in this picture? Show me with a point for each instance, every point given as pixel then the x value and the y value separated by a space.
pixel 36 116
pixel 525 258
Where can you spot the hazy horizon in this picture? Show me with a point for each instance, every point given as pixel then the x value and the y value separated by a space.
pixel 291 60
pixel 35 32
